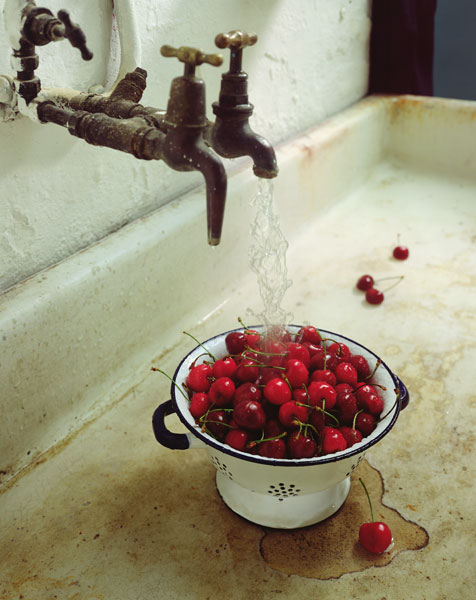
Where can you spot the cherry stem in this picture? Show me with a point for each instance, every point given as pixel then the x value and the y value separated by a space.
pixel 355 418
pixel 174 382
pixel 377 365
pixel 368 498
pixel 254 443
pixel 249 349
pixel 392 407
pixel 200 344
pixel 396 283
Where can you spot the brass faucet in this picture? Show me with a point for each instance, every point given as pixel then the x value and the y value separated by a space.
pixel 181 136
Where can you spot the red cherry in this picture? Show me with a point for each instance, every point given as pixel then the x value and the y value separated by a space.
pixel 291 414
pixel 249 414
pixel 246 391
pixel 273 448
pixel 299 352
pixel 296 373
pixel 235 342
pixel 365 423
pixel 309 334
pixel 216 423
pixel 320 394
pixel 221 391
pixel 224 367
pixel 253 338
pixel 332 440
pixel 199 404
pixel 198 378
pixel 352 436
pixel 361 365
pixel 346 373
pixel 277 391
pixel 373 296
pixel 247 370
pixel 346 404
pixel 301 445
pixel 374 404
pixel 273 428
pixel 365 282
pixel 362 392
pixel 237 439
pixel 376 536
pixel 324 375
pixel 401 252
pixel 339 350
pixel 344 387
pixel 318 358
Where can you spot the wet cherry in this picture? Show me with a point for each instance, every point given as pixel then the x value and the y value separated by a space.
pixel 401 252
pixel 374 296
pixel 249 414
pixel 199 404
pixel 365 282
pixel 375 537
pixel 237 439
pixel 301 445
pixel 332 440
pixel 277 391
pixel 198 378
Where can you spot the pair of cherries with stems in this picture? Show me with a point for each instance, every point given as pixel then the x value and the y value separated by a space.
pixel 365 283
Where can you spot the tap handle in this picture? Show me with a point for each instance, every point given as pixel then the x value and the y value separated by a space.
pixel 236 41
pixel 75 35
pixel 192 57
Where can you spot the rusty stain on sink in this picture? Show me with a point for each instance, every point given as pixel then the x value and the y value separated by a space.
pixel 331 548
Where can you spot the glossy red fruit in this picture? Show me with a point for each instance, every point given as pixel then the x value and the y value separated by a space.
pixel 247 370
pixel 277 391
pixel 401 252
pixel 301 445
pixel 291 414
pixel 318 359
pixel 346 373
pixel 309 334
pixel 332 440
pixel 237 439
pixel 199 404
pixel 325 375
pixel 362 392
pixel 374 296
pixel 217 424
pixel 246 391
pixel 300 395
pixel 249 415
pixel 253 338
pixel 374 404
pixel 198 379
pixel 344 387
pixel 346 404
pixel 273 448
pixel 339 350
pixel 235 342
pixel 321 394
pixel 273 428
pixel 296 373
pixel 224 367
pixel 375 537
pixel 365 423
pixel 361 365
pixel 299 352
pixel 352 436
pixel 365 282
pixel 221 391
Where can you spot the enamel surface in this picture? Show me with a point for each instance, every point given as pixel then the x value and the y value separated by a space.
pixel 92 507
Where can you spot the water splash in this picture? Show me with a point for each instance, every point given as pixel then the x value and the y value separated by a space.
pixel 267 258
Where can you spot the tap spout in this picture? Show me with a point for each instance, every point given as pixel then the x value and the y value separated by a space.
pixel 232 137
pixel 185 150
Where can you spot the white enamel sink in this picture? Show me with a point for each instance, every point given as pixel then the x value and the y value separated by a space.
pixel 79 339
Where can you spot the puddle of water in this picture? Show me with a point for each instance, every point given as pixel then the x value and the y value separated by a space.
pixel 331 548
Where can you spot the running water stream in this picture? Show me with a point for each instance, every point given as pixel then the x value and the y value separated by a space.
pixel 267 258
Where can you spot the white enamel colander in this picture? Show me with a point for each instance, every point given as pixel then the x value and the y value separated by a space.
pixel 281 493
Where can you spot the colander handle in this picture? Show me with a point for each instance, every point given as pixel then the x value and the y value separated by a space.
pixel 174 441
pixel 403 393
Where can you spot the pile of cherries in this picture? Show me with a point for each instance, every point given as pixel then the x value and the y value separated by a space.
pixel 283 395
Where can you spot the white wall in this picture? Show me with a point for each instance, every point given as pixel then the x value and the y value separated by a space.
pixel 59 195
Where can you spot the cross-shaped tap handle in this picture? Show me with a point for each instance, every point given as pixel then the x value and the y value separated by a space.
pixel 236 41
pixel 192 57
pixel 75 35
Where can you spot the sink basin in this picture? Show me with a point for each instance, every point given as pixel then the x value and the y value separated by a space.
pixel 80 467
